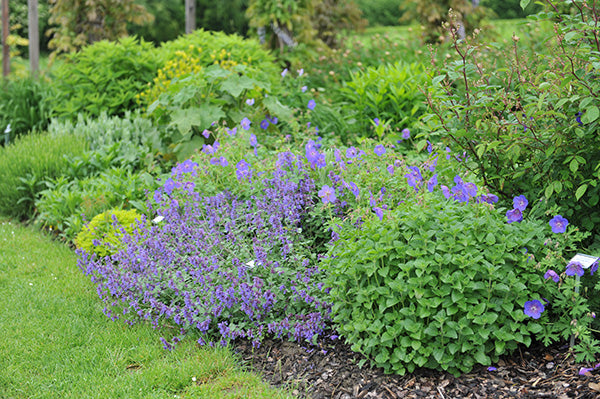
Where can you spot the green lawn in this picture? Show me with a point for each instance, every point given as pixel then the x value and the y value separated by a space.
pixel 57 343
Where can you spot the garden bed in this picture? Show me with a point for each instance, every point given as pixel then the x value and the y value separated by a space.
pixel 330 370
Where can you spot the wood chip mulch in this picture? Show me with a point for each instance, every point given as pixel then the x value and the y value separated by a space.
pixel 330 371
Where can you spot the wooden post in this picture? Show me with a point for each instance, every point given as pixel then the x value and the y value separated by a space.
pixel 5 31
pixel 190 16
pixel 34 37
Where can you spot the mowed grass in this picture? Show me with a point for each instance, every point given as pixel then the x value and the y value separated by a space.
pixel 56 342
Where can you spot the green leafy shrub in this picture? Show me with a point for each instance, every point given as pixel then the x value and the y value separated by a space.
pixel 391 93
pixel 507 9
pixel 530 128
pixel 381 12
pixel 24 105
pixel 66 204
pixel 207 79
pixel 104 77
pixel 26 163
pixel 439 285
pixel 130 141
pixel 107 228
pixel 434 15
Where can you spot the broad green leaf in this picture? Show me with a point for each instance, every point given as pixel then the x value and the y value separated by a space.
pixel 580 191
pixel 574 165
pixel 591 114
pixel 524 4
pixel 278 109
pixel 201 117
pixel 235 85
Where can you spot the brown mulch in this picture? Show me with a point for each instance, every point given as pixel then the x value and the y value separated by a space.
pixel 330 371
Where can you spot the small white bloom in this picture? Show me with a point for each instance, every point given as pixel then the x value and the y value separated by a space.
pixel 250 264
pixel 158 219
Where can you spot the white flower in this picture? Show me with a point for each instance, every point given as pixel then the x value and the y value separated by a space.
pixel 250 264
pixel 158 219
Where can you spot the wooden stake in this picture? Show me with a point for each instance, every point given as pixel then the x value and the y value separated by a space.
pixel 190 16
pixel 34 37
pixel 5 31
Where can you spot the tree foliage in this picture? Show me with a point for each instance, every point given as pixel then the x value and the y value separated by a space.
pixel 81 22
pixel 433 15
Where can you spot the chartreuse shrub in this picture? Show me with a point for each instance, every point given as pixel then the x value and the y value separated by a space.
pixel 391 93
pixel 217 47
pixel 28 161
pixel 104 77
pixel 536 134
pixel 107 229
pixel 439 285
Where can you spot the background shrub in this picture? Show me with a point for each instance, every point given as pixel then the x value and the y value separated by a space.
pixel 529 135
pixel 381 12
pixel 392 93
pixel 104 77
pixel 25 104
pixel 421 289
pixel 130 141
pixel 66 204
pixel 26 163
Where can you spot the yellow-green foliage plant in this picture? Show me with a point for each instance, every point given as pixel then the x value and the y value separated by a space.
pixel 107 228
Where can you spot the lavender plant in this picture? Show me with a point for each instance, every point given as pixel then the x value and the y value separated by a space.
pixel 219 266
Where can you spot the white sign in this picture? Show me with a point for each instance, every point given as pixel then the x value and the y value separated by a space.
pixel 585 260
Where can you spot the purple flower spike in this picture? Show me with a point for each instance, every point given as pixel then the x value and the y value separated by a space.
pixel 253 141
pixel 533 309
pixel 559 224
pixel 514 215
pixel 379 150
pixel 379 212
pixel 327 194
pixel 553 275
pixel 520 202
pixel 574 268
pixel 311 105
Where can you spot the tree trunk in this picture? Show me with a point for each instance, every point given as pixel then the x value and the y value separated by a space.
pixel 5 32
pixel 34 37
pixel 190 16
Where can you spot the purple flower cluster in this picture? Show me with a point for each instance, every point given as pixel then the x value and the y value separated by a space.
pixel 220 266
pixel 519 205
